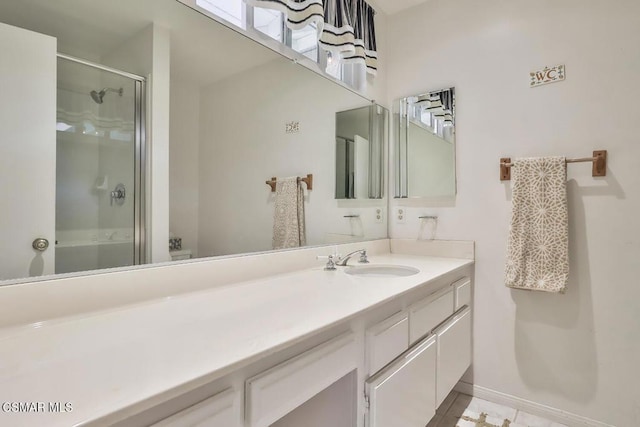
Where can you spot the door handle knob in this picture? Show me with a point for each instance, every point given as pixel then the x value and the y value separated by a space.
pixel 40 244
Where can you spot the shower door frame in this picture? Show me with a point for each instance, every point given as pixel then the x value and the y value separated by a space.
pixel 140 155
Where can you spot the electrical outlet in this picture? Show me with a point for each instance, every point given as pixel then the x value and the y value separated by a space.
pixel 401 215
pixel 379 216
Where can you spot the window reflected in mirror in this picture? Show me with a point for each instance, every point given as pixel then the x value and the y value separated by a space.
pixel 425 145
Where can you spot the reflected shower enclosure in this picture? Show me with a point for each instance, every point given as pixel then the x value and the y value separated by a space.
pixel 361 139
pixel 99 147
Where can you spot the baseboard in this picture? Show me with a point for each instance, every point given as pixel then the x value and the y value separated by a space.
pixel 533 408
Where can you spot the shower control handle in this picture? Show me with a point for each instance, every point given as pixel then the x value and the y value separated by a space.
pixel 118 195
pixel 40 244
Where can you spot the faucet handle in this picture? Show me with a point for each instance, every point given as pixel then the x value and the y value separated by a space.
pixel 363 257
pixel 331 264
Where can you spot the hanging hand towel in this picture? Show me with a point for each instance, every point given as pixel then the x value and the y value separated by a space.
pixel 538 248
pixel 288 219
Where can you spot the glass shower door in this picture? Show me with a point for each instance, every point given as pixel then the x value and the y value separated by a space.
pixel 98 168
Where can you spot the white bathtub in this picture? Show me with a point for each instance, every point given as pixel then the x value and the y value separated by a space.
pixel 80 250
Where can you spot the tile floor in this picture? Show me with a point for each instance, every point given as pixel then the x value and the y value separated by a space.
pixel 461 410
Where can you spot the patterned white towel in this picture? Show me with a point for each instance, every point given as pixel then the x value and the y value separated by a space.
pixel 288 218
pixel 538 249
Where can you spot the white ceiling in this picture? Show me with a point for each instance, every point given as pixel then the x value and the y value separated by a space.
pixel 202 50
pixel 390 7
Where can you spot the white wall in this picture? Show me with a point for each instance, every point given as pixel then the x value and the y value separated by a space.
pixel 159 150
pixel 577 352
pixel 243 144
pixel 183 165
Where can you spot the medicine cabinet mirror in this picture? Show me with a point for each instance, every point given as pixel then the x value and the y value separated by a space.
pixel 424 150
pixel 361 138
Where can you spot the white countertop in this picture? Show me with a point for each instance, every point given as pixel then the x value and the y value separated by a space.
pixel 107 361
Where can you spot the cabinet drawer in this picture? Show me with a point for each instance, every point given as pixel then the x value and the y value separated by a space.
pixel 220 410
pixel 403 393
pixel 277 391
pixel 454 352
pixel 386 340
pixel 428 313
pixel 462 289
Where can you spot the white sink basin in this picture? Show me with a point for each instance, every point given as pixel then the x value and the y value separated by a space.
pixel 382 271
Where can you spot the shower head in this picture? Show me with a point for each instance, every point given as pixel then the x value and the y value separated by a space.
pixel 98 96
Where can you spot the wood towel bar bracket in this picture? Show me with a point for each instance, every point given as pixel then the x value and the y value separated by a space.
pixel 599 162
pixel 308 180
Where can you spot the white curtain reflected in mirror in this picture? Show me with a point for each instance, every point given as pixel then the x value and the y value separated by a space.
pixel 425 145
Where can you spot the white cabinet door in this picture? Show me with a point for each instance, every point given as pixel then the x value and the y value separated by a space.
pixel 27 151
pixel 454 352
pixel 403 394
pixel 220 410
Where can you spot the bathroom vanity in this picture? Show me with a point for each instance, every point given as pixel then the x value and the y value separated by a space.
pixel 304 347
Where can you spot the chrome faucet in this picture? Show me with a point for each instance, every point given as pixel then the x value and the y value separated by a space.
pixel 342 261
pixel 331 264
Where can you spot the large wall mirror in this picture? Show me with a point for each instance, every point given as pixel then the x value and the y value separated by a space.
pixel 424 153
pixel 223 113
pixel 361 141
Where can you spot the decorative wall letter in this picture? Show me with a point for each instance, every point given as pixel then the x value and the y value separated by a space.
pixel 292 127
pixel 547 75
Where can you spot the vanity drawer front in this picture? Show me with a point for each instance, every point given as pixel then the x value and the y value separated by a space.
pixel 462 288
pixel 221 410
pixel 386 340
pixel 425 315
pixel 277 391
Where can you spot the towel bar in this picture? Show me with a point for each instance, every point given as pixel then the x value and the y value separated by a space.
pixel 599 161
pixel 308 180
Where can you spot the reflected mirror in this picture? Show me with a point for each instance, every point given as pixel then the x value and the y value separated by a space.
pixel 143 132
pixel 425 165
pixel 361 138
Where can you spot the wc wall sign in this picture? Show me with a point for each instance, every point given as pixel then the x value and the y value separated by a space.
pixel 547 75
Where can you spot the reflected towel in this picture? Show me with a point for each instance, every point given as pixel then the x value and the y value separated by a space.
pixel 538 248
pixel 288 218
